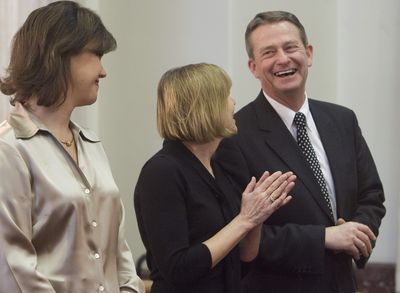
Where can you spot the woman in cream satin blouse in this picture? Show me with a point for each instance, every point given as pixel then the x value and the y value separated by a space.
pixel 61 216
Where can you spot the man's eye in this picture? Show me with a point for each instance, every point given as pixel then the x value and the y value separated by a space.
pixel 268 53
pixel 291 48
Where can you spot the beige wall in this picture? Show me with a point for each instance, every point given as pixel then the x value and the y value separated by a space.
pixel 156 35
pixel 153 36
pixel 368 82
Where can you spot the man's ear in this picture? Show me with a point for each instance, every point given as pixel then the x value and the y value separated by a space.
pixel 309 53
pixel 252 66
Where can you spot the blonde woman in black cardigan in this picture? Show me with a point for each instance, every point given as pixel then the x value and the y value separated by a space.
pixel 195 222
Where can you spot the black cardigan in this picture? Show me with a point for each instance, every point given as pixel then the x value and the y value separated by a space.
pixel 178 206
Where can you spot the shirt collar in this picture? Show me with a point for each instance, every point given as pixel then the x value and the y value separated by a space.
pixel 85 133
pixel 26 125
pixel 287 114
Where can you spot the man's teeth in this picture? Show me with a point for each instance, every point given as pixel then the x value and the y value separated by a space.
pixel 285 73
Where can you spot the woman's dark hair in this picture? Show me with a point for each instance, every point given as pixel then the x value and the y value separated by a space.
pixel 42 49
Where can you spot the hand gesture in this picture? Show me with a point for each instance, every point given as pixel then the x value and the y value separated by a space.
pixel 261 199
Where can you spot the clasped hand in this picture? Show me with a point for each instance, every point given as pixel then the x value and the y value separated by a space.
pixel 353 238
pixel 263 197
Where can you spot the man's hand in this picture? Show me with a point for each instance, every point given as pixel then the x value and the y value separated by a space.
pixel 351 237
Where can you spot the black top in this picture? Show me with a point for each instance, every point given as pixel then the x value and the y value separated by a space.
pixel 178 206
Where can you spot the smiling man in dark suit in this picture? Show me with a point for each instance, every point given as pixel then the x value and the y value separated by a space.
pixel 337 207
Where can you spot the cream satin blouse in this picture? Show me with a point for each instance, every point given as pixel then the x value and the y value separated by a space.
pixel 61 223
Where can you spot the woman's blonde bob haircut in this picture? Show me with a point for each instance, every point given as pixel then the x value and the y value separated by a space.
pixel 192 103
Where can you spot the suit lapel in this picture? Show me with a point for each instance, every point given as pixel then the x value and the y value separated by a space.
pixel 280 140
pixel 332 142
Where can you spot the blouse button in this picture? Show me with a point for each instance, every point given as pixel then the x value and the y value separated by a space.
pixel 87 190
pixel 94 224
pixel 96 256
pixel 101 288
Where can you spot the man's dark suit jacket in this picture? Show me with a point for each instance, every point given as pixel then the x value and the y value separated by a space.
pixel 292 255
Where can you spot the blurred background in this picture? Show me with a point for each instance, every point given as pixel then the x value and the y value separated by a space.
pixel 356 63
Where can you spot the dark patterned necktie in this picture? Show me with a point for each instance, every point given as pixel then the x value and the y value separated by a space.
pixel 305 145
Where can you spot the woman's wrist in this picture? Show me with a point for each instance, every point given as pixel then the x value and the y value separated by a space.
pixel 245 222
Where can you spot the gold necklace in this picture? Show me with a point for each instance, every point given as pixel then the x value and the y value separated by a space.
pixel 67 143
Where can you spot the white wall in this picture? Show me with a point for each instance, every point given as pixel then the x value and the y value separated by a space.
pixel 355 58
pixel 12 14
pixel 368 82
pixel 153 36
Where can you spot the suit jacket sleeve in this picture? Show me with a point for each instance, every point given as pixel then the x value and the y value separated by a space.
pixel 370 198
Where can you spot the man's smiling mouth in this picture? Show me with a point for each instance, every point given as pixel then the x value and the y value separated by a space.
pixel 285 72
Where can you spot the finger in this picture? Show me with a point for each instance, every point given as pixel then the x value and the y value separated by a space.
pixel 366 230
pixel 289 187
pixel 250 187
pixel 279 191
pixel 286 200
pixel 273 182
pixel 268 199
pixel 281 201
pixel 361 246
pixel 290 176
pixel 263 177
pixel 353 251
pixel 277 202
pixel 270 180
pixel 366 241
pixel 340 221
